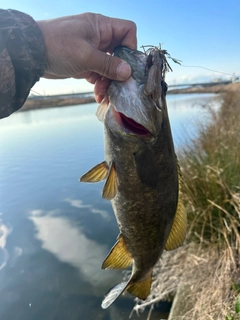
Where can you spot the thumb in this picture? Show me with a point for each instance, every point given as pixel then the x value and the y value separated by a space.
pixel 109 66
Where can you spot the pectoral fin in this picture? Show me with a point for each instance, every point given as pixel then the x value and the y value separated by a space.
pixel 118 257
pixel 110 187
pixel 96 174
pixel 179 227
pixel 146 167
pixel 141 289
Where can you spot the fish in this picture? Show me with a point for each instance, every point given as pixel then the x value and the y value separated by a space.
pixel 143 178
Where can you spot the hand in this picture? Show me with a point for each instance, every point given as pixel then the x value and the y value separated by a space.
pixel 80 46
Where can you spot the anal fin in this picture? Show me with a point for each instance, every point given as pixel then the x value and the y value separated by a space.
pixel 118 257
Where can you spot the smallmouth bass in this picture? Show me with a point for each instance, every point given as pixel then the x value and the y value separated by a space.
pixel 143 179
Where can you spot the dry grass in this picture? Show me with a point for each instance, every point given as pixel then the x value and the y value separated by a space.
pixel 204 279
pixel 205 270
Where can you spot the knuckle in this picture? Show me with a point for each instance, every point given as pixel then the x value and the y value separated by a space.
pixel 108 66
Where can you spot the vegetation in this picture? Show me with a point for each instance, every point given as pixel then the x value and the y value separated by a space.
pixel 211 169
pixel 206 271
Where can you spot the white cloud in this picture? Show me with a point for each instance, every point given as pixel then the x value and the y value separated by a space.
pixel 69 244
pixel 4 232
pixel 79 204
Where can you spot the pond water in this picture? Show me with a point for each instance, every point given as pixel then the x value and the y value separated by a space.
pixel 54 231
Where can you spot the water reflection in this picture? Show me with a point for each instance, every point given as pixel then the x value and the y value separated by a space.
pixel 79 204
pixel 70 245
pixel 4 232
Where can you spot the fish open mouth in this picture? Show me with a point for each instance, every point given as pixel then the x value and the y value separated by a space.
pixel 132 125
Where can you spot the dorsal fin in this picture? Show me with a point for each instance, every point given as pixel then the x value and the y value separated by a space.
pixel 178 232
pixel 96 174
pixel 118 257
pixel 110 187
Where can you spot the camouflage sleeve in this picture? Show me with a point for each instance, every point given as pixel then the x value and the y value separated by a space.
pixel 21 59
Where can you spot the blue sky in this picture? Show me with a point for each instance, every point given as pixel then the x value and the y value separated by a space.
pixel 200 33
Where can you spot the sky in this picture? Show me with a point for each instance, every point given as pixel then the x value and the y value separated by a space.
pixel 202 33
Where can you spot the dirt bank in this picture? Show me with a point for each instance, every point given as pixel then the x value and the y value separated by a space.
pixel 58 101
pixel 54 101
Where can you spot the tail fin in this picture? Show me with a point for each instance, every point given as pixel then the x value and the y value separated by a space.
pixel 139 289
pixel 113 294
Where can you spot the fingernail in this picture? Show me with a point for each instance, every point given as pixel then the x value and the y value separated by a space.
pixel 124 71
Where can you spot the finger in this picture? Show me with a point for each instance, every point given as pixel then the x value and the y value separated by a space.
pixel 98 99
pixel 93 77
pixel 52 76
pixel 126 32
pixel 111 67
pixel 101 87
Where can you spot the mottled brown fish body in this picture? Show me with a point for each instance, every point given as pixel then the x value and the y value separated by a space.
pixel 142 175
pixel 144 210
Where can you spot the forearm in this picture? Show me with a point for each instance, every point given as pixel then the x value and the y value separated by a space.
pixel 21 59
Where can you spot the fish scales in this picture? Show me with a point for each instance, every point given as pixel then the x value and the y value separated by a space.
pixel 143 180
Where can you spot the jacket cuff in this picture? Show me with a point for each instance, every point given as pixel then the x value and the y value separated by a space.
pixel 21 59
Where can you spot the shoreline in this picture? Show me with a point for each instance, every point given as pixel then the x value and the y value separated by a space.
pixel 75 99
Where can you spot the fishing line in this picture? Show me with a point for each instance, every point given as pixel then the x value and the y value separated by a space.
pixel 229 74
pixel 179 61
pixel 35 92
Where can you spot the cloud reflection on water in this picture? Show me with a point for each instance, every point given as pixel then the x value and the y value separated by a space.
pixel 79 204
pixel 4 232
pixel 70 245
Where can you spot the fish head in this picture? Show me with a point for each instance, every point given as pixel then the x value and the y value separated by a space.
pixel 132 109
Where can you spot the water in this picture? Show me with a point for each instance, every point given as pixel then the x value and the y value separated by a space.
pixel 55 231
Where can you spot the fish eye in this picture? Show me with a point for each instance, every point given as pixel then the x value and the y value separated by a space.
pixel 164 86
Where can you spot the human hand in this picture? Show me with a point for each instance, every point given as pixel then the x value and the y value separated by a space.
pixel 80 46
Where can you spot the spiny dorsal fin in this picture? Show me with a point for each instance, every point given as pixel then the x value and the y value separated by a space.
pixel 102 109
pixel 141 289
pixel 118 257
pixel 179 227
pixel 110 187
pixel 113 294
pixel 178 231
pixel 96 174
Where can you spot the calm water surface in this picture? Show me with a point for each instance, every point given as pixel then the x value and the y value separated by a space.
pixel 54 231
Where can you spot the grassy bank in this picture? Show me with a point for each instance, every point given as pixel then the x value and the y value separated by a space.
pixel 75 99
pixel 205 272
pixel 55 101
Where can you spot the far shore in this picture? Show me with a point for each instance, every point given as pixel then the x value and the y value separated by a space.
pixel 69 100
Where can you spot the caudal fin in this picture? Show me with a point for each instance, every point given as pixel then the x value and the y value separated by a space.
pixel 113 294
pixel 139 289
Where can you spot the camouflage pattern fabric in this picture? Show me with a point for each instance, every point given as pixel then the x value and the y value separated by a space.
pixel 21 59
